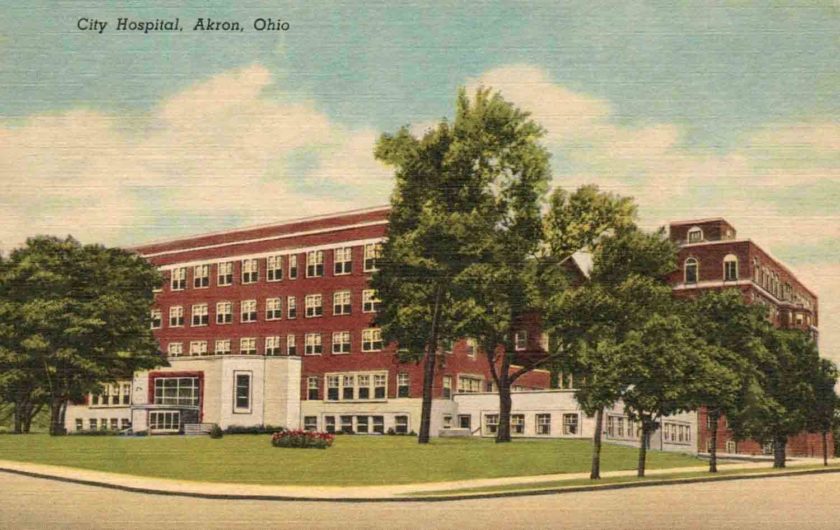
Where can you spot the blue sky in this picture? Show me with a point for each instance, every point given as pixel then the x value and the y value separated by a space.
pixel 699 110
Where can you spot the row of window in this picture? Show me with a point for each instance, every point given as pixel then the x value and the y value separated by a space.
pixel 676 433
pixel 542 424
pixel 620 427
pixel 313 307
pixel 112 395
pixel 103 424
pixel 313 344
pixel 274 267
pixel 691 268
pixel 356 424
pixel 356 386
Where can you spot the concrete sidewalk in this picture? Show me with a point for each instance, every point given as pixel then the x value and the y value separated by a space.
pixel 163 486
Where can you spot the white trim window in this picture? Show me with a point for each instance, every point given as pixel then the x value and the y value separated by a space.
pixel 570 424
pixel 370 302
pixel 273 308
pixel 343 261
pixel 373 251
pixel 403 385
pixel 691 270
pixel 178 280
pixel 695 234
pixel 183 391
pixel 291 344
pixel 272 346
pixel 312 344
pixel 401 424
pixel 730 268
pixel 491 424
pixel 363 383
pixel 224 312
pixel 200 315
pixel 312 393
pixel 348 387
pixel 291 307
pixel 156 317
pixel 201 276
pixel 198 347
pixel 341 342
pixel 310 423
pixel 341 303
pixel 250 270
pixel 175 349
pixel 242 389
pixel 274 268
pixel 520 340
pixel 333 386
pixel 163 421
pixel 315 264
pixel 472 347
pixel 224 274
pixel 176 316
pixel 517 424
pixel 543 422
pixel 446 387
pixel 380 384
pixel 248 311
pixel 293 267
pixel 469 384
pixel 313 304
pixel 222 347
pixel 248 346
pixel 371 339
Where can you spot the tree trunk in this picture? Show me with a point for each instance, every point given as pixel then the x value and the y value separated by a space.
pixel 640 472
pixel 56 423
pixel 825 447
pixel 779 451
pixel 595 473
pixel 713 418
pixel 505 402
pixel 18 418
pixel 429 375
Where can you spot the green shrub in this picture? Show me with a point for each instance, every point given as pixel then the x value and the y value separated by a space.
pixel 216 432
pixel 253 429
pixel 95 433
pixel 302 439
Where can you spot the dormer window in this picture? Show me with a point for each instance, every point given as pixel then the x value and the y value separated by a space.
pixel 692 270
pixel 730 268
pixel 695 235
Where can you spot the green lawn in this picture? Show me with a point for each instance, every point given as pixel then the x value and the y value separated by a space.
pixel 353 460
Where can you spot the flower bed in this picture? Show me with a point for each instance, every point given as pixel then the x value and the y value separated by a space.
pixel 302 439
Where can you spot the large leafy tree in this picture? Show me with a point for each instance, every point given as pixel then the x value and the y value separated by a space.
pixel 81 317
pixel 822 412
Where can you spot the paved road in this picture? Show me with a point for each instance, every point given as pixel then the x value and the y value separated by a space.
pixel 811 501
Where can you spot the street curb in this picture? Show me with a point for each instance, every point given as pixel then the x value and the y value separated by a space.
pixel 419 498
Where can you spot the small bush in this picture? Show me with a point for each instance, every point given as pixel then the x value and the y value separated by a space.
pixel 302 439
pixel 141 433
pixel 216 432
pixel 96 433
pixel 412 433
pixel 391 431
pixel 253 429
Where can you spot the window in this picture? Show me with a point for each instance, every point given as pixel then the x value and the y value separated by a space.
pixel 248 311
pixel 178 280
pixel 310 423
pixel 695 235
pixel 312 387
pixel 346 424
pixel 222 347
pixel 371 339
pixel 401 424
pixel 291 345
pixel 402 384
pixel 565 381
pixel 544 424
pixel 224 273
pixel 471 348
pixel 341 303
pixel 364 386
pixel 200 315
pixel 247 346
pixel 329 424
pixel 544 342
pixel 176 316
pixel 491 424
pixel 691 270
pixel 731 447
pixel 448 345
pixel 274 268
pixel 201 276
pixel 80 426
pixel 272 345
pixel 181 391
pixel 520 340
pixel 315 264
pixel 378 424
pixel 224 312
pixel 250 271
pixel 379 384
pixel 169 420
pixel 313 305
pixel 341 342
pixel 570 423
pixel 175 349
pixel 447 387
pixel 332 387
pixel 372 253
pixel 273 309
pixel 198 347
pixel 469 384
pixel 126 393
pixel 465 421
pixel 92 424
pixel 730 268
pixel 362 424
pixel 343 261
pixel 517 424
pixel 125 424
pixel 348 384
pixel 312 345
pixel 293 267
pixel 242 382
pixel 157 318
pixel 447 421
pixel 370 303
pixel 291 307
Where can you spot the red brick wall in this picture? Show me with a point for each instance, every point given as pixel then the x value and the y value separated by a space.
pixel 713 230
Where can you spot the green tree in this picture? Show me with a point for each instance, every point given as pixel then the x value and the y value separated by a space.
pixel 822 413
pixel 81 317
